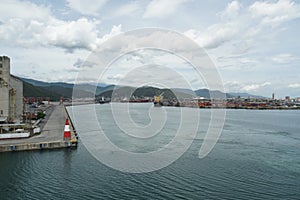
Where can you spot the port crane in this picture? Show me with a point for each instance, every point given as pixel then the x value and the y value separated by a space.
pixel 158 100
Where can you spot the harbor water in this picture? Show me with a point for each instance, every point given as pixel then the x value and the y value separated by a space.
pixel 256 157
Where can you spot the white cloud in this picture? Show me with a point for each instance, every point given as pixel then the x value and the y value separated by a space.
pixel 232 86
pixel 127 9
pixel 162 8
pixel 87 7
pixel 294 85
pixel 78 34
pixel 22 10
pixel 215 35
pixel 236 62
pixel 115 77
pixel 69 35
pixel 284 58
pixel 41 28
pixel 239 23
pixel 116 29
pixel 254 87
pixel 235 86
pixel 148 57
pixel 232 10
pixel 275 13
pixel 81 64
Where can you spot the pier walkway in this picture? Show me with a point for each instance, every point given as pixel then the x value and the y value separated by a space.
pixel 51 135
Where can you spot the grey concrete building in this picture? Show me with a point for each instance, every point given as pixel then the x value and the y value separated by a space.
pixel 11 93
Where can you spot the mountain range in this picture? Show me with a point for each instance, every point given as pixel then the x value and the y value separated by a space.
pixel 55 90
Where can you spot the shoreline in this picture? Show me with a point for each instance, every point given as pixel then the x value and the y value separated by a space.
pixel 187 106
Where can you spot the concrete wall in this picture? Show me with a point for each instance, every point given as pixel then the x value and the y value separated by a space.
pixel 4 89
pixel 37 146
pixel 17 84
pixel 4 102
pixel 7 82
pixel 5 68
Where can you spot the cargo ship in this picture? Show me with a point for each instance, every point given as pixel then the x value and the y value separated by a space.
pixel 139 101
pixel 136 100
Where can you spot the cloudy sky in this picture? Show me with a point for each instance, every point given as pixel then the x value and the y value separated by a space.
pixel 254 44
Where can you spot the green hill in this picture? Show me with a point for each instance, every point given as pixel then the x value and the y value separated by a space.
pixel 33 88
pixel 129 92
pixel 30 90
pixel 52 91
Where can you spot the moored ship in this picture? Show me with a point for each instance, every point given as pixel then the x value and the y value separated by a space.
pixel 104 100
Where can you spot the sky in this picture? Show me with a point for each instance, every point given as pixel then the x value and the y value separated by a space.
pixel 254 45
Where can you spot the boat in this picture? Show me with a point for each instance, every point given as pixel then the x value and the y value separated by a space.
pixel 103 100
pixel 133 99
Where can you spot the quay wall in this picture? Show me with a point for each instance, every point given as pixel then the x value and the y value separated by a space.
pixel 37 146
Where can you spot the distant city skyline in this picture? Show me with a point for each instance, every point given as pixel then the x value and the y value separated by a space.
pixel 254 44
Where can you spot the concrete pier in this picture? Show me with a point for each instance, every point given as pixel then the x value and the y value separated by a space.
pixel 51 136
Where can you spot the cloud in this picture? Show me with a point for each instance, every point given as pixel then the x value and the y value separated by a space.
pixel 215 35
pixel 87 7
pixel 232 86
pixel 116 77
pixel 81 64
pixel 236 62
pixel 127 9
pixel 123 54
pixel 162 8
pixel 235 86
pixel 275 13
pixel 69 35
pixel 116 29
pixel 79 34
pixel 254 87
pixel 250 24
pixel 284 58
pixel 40 27
pixel 232 10
pixel 23 10
pixel 294 85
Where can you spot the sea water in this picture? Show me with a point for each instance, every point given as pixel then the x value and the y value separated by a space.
pixel 256 157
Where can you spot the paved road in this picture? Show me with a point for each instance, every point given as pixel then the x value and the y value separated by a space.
pixel 52 131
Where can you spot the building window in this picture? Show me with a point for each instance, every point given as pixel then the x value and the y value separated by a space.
pixel 0 72
pixel 1 112
pixel 0 65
